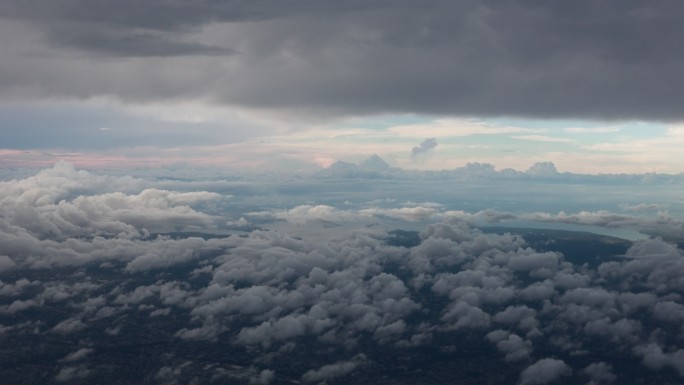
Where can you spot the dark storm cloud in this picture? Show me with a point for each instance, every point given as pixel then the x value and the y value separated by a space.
pixel 133 28
pixel 541 59
pixel 117 43
pixel 170 15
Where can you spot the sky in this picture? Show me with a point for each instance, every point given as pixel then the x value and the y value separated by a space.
pixel 333 192
pixel 297 85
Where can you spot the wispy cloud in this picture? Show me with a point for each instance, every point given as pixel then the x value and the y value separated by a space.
pixel 442 128
pixel 542 138
pixel 593 130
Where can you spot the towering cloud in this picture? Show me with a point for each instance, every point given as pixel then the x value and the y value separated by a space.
pixel 418 153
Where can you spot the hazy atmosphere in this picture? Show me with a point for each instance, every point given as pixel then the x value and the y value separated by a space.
pixel 341 192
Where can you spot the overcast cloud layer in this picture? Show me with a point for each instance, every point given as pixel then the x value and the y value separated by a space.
pixel 590 59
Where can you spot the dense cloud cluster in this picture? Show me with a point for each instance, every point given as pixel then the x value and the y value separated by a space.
pixel 62 216
pixel 662 224
pixel 142 269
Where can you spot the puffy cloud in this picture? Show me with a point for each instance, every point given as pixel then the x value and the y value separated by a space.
pixel 15 289
pixel 544 371
pixel 463 315
pixel 69 374
pixel 654 357
pixel 514 347
pixel 265 377
pixel 529 262
pixel 78 355
pixel 662 224
pixel 543 169
pixel 599 373
pixel 327 215
pixel 168 252
pixel 597 218
pixel 594 297
pixel 19 306
pixel 645 207
pixel 116 213
pixel 538 291
pixel 168 374
pixel 63 216
pixel 404 213
pixel 62 181
pixel 669 311
pixel 53 204
pixel 307 213
pixel 418 153
pixel 70 325
pixel 654 263
pixel 6 263
pixel 521 316
pixel 284 328
pixel 283 289
pixel 335 370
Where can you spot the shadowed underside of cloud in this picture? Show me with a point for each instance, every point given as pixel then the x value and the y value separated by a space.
pixel 540 59
pixel 317 308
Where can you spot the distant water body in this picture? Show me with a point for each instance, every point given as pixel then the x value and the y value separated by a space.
pixel 622 233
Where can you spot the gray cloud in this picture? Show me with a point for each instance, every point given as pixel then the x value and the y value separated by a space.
pixel 77 355
pixel 417 153
pixel 655 358
pixel 131 44
pixel 267 293
pixel 514 347
pixel 69 374
pixel 6 263
pixel 544 371
pixel 333 370
pixel 536 59
pixel 600 373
